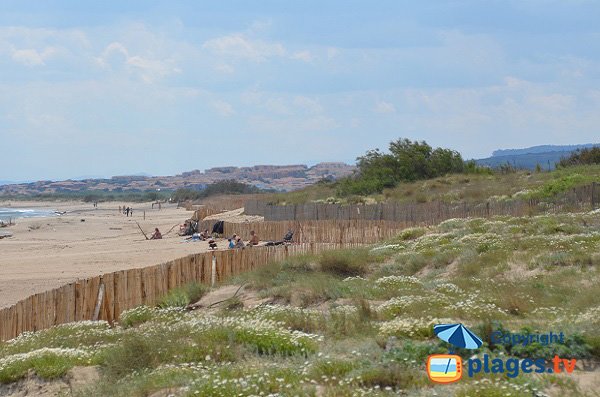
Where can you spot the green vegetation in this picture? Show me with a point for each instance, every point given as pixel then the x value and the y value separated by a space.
pixel 221 187
pixel 406 161
pixel 457 188
pixel 89 196
pixel 353 322
pixel 582 157
pixel 181 297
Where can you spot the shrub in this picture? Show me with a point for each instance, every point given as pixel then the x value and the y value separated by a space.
pixel 183 296
pixel 195 291
pixel 395 376
pixel 412 233
pixel 331 367
pixel 134 353
pixel 177 297
pixel 345 263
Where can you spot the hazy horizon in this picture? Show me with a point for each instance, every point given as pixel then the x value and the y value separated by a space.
pixel 162 87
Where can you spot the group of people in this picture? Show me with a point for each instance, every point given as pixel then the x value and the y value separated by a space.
pixel 236 241
pixel 127 211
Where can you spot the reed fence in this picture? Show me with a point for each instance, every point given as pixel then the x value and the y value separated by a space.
pixel 430 213
pixel 105 297
pixel 332 231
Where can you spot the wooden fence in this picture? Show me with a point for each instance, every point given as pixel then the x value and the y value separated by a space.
pixel 333 231
pixel 580 198
pixel 105 297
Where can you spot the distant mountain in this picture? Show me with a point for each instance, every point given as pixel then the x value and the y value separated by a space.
pixel 541 149
pixel 276 177
pixel 528 158
pixel 5 183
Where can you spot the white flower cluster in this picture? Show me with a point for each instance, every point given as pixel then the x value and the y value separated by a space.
pixel 447 288
pixel 397 282
pixel 254 330
pixel 354 279
pixel 475 306
pixel 411 327
pixel 388 247
pixel 78 354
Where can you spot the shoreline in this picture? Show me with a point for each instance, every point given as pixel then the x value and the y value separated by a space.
pixel 47 252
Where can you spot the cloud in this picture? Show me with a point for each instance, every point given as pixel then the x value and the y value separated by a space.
pixel 33 57
pixel 237 45
pixel 308 104
pixel 147 68
pixel 305 56
pixel 384 107
pixel 224 68
pixel 332 52
pixel 223 108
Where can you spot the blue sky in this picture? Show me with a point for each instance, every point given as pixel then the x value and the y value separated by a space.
pixel 113 87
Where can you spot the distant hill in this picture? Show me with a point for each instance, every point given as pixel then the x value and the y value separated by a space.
pixel 541 149
pixel 528 158
pixel 275 177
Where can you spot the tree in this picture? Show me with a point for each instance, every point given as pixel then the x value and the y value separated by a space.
pixel 406 161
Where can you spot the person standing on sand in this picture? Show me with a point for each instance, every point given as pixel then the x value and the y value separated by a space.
pixel 127 212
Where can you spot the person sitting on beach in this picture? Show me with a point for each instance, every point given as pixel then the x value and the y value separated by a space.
pixel 212 244
pixel 156 235
pixel 253 238
pixel 288 236
pixel 205 235
pixel 230 243
pixel 239 243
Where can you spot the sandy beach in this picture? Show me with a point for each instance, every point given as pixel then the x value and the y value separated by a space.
pixel 45 253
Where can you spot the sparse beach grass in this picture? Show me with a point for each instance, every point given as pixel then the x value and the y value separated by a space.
pixel 352 322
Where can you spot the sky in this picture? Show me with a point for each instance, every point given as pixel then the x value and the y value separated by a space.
pixel 121 87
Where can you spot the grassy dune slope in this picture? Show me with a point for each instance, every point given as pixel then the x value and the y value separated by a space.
pixel 354 322
pixel 460 187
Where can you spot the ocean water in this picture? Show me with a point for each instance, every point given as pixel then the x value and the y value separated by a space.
pixel 14 213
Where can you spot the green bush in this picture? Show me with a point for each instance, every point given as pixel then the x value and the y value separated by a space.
pixel 134 353
pixel 183 296
pixel 345 263
pixel 393 375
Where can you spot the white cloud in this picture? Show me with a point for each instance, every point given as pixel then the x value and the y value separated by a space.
pixel 33 57
pixel 147 68
pixel 223 108
pixel 308 104
pixel 237 45
pixel 305 56
pixel 277 106
pixel 293 125
pixel 224 68
pixel 332 52
pixel 384 107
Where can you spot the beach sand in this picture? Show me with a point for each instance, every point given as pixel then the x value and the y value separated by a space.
pixel 45 253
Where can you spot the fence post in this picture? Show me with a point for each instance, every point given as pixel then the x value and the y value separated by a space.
pixel 593 195
pixel 213 271
pixel 487 209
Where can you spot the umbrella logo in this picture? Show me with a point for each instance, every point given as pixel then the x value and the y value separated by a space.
pixel 457 335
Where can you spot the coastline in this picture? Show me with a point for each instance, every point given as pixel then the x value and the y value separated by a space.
pixel 47 252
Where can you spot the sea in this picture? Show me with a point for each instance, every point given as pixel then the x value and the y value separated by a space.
pixel 7 213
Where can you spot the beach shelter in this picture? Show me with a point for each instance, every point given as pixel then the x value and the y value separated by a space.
pixel 458 335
